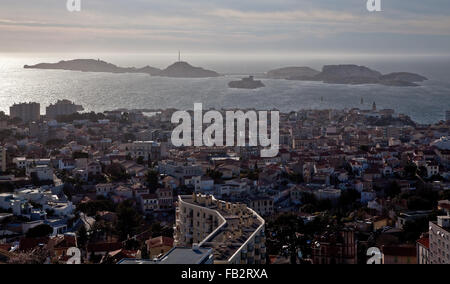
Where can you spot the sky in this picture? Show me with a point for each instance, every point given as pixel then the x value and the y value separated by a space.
pixel 226 26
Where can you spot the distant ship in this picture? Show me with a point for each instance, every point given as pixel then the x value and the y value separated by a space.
pixel 246 83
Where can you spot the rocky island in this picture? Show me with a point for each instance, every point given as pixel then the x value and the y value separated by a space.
pixel 92 65
pixel 349 75
pixel 292 73
pixel 176 70
pixel 185 70
pixel 246 83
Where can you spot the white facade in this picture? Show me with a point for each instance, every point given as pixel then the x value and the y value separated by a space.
pixel 440 241
pixel 42 172
pixel 149 150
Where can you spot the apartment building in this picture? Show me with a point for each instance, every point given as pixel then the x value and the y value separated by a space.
pixel 439 236
pixel 233 231
pixel 62 107
pixel 27 112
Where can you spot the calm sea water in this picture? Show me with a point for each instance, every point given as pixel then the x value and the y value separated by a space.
pixel 102 91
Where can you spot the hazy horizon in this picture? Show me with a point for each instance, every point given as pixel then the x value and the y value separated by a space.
pixel 213 26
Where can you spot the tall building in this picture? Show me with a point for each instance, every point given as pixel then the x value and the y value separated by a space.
pixel 2 159
pixel 439 236
pixel 62 107
pixel 233 231
pixel 27 112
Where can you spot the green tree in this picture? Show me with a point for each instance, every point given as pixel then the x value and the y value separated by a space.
pixel 153 180
pixel 82 237
pixel 39 231
pixel 80 155
pixel 128 220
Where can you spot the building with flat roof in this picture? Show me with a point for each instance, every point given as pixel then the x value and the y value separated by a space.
pixel 233 231
pixel 62 107
pixel 178 255
pixel 27 112
pixel 196 255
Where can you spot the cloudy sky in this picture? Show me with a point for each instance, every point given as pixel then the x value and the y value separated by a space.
pixel 248 26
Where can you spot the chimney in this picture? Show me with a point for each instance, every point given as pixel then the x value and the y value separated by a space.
pixel 444 221
pixel 195 247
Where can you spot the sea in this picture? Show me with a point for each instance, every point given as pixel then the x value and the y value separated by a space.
pixel 103 91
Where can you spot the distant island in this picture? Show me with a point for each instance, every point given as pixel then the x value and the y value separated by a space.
pixel 331 74
pixel 347 74
pixel 185 70
pixel 293 73
pixel 176 70
pixel 246 83
pixel 92 65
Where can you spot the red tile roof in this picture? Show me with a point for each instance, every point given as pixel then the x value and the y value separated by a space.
pixel 424 242
pixel 160 241
pixel 400 251
pixel 28 244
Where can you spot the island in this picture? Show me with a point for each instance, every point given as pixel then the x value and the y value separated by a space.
pixel 182 69
pixel 292 73
pixel 92 65
pixel 176 70
pixel 347 74
pixel 246 83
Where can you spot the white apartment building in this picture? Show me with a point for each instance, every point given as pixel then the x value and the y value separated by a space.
pixel 180 169
pixel 440 241
pixel 234 231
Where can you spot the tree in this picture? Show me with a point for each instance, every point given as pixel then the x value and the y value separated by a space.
pixel 413 229
pixel 215 175
pixel 364 148
pixel 128 137
pixel 144 252
pixel 153 180
pixel 39 231
pixel 140 160
pixel 117 172
pixel 82 237
pixel 80 155
pixel 91 208
pixel 128 220
pixel 392 190
pixel 410 170
pixel 348 198
pixel 419 203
